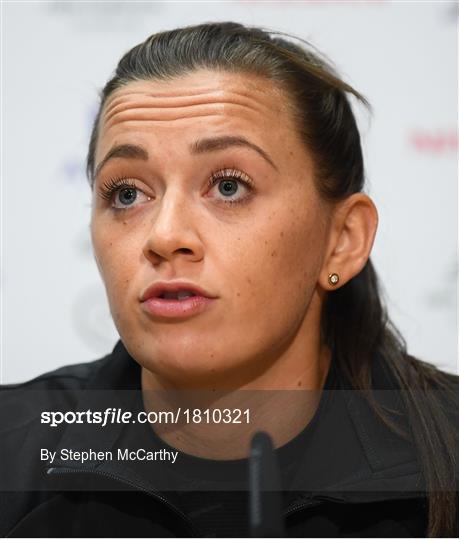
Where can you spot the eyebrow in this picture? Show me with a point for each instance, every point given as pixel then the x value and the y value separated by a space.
pixel 130 151
pixel 133 151
pixel 221 143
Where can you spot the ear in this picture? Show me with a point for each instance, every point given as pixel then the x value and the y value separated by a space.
pixel 351 235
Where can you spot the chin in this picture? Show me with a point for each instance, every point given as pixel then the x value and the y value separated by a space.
pixel 178 358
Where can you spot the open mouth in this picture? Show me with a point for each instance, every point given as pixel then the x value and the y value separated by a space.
pixel 175 300
pixel 176 295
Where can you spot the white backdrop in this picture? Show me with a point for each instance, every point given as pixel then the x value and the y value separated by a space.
pixel 57 55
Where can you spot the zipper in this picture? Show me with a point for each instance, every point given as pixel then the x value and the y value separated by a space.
pixel 301 506
pixel 310 503
pixel 188 522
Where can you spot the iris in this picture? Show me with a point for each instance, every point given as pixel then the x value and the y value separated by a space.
pixel 228 187
pixel 127 196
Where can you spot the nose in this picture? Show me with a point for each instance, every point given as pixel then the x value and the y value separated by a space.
pixel 173 232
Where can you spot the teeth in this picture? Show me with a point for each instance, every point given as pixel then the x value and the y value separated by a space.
pixel 184 294
pixel 177 295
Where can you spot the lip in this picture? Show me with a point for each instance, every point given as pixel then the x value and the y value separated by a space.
pixel 174 308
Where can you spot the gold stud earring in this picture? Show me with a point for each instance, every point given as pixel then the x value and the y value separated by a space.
pixel 333 279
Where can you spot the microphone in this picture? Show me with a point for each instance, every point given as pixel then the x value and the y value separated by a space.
pixel 265 502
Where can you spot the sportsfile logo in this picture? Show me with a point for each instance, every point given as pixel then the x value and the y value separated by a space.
pixel 114 415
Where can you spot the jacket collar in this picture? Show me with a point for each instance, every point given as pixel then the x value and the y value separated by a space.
pixel 350 455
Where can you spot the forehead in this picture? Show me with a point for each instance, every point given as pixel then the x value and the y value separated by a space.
pixel 202 100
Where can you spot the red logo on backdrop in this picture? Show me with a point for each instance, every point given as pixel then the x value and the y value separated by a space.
pixel 438 141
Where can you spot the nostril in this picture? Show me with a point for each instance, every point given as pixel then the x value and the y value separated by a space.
pixel 185 250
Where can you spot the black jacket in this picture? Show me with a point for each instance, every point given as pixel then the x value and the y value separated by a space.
pixel 355 477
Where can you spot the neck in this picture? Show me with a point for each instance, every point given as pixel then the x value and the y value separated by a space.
pixel 219 422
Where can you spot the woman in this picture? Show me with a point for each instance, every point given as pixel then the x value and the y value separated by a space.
pixel 233 237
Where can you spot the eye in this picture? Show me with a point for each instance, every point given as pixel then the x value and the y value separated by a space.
pixel 234 186
pixel 126 196
pixel 122 193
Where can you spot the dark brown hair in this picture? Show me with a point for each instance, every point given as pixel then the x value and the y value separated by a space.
pixel 355 324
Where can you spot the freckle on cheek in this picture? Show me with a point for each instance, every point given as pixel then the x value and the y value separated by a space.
pixel 273 253
pixel 299 383
pixel 124 223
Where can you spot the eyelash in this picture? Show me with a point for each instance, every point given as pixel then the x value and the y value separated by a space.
pixel 232 174
pixel 115 184
pixel 109 188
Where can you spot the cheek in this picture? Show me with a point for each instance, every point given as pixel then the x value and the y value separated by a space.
pixel 281 262
pixel 301 249
pixel 116 259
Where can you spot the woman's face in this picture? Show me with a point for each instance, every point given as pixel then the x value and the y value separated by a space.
pixel 204 180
